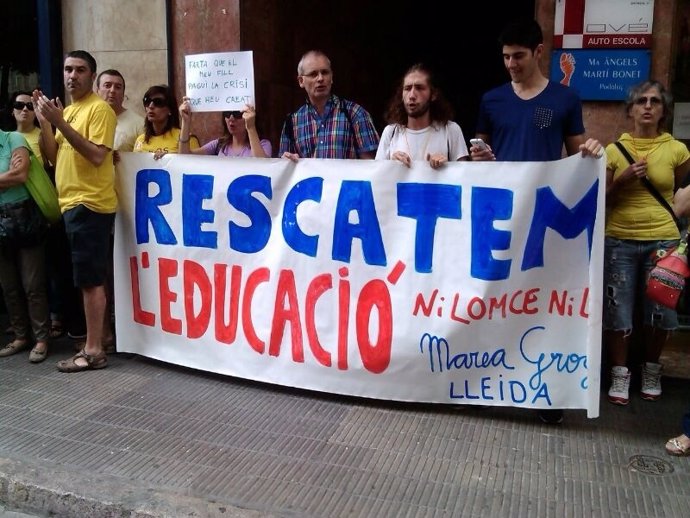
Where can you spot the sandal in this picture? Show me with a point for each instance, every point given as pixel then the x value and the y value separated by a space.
pixel 14 347
pixel 677 447
pixel 56 329
pixel 108 345
pixel 93 362
pixel 36 356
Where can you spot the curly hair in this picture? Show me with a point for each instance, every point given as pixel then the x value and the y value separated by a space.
pixel 440 110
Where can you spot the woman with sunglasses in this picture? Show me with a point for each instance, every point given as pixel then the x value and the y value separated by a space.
pixel 162 124
pixel 26 122
pixel 637 226
pixel 240 136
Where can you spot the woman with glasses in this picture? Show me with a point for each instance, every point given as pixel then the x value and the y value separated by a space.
pixel 25 120
pixel 637 226
pixel 240 136
pixel 162 124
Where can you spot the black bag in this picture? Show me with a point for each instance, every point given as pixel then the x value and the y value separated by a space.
pixel 22 224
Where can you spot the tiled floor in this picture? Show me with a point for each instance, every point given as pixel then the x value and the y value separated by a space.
pixel 150 438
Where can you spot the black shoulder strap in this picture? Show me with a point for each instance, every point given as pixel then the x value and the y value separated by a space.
pixel 649 185
pixel 348 116
pixel 289 131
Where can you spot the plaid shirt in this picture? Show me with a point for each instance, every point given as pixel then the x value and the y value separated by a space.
pixel 345 131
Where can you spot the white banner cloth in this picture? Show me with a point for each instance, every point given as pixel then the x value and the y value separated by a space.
pixel 480 283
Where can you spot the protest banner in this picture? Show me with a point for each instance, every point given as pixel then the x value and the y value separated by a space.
pixel 479 283
pixel 219 81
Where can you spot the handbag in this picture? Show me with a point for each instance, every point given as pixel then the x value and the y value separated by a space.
pixel 42 190
pixel 667 280
pixel 21 224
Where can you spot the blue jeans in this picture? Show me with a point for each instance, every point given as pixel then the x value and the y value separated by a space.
pixel 626 266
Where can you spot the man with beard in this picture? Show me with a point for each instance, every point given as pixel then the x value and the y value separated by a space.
pixel 82 151
pixel 326 126
pixel 419 123
pixel 530 118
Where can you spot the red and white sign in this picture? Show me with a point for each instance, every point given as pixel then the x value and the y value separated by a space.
pixel 582 24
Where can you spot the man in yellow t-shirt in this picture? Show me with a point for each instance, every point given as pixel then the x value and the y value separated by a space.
pixel 82 151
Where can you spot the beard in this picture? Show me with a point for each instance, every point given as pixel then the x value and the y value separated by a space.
pixel 418 111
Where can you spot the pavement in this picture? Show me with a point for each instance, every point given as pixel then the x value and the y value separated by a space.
pixel 142 438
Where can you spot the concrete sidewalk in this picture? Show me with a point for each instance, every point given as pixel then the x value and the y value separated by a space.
pixel 147 439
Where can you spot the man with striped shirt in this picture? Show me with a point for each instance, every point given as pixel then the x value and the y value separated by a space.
pixel 326 126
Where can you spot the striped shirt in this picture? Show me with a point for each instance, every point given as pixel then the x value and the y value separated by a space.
pixel 345 131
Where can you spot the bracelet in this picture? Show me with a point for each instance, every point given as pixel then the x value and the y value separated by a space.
pixel 181 141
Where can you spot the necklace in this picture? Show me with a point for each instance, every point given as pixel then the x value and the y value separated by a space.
pixel 424 147
pixel 652 147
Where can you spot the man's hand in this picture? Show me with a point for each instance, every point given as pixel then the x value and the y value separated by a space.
pixel 50 110
pixel 290 156
pixel 403 157
pixel 481 154
pixel 437 160
pixel 593 148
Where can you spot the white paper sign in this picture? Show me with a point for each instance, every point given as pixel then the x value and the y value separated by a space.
pixel 220 81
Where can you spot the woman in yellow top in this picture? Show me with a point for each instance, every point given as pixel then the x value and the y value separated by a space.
pixel 637 225
pixel 161 124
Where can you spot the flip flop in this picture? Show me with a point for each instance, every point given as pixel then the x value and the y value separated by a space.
pixel 675 446
pixel 14 347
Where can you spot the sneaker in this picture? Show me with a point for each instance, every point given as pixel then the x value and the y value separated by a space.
pixel 551 416
pixel 651 381
pixel 620 385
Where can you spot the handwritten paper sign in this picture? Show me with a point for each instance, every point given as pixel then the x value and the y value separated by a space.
pixel 220 81
pixel 479 283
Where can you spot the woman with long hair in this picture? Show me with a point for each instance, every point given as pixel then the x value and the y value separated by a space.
pixel 161 124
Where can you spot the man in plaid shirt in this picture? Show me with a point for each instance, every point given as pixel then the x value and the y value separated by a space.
pixel 326 126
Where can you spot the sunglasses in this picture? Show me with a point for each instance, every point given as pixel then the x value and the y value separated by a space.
pixel 18 105
pixel 236 114
pixel 158 102
pixel 642 101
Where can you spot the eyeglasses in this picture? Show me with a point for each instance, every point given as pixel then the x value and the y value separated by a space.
pixel 158 102
pixel 642 101
pixel 236 114
pixel 18 105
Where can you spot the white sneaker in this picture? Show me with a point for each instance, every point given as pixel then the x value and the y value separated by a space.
pixel 620 385
pixel 651 381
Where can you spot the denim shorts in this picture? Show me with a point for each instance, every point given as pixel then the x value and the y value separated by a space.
pixel 626 265
pixel 88 233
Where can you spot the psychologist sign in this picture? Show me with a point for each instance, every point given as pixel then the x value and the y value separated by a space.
pixel 476 284
pixel 600 75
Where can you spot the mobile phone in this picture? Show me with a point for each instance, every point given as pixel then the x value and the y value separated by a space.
pixel 477 142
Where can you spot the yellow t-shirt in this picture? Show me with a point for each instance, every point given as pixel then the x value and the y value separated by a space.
pixel 32 138
pixel 635 213
pixel 78 181
pixel 167 142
